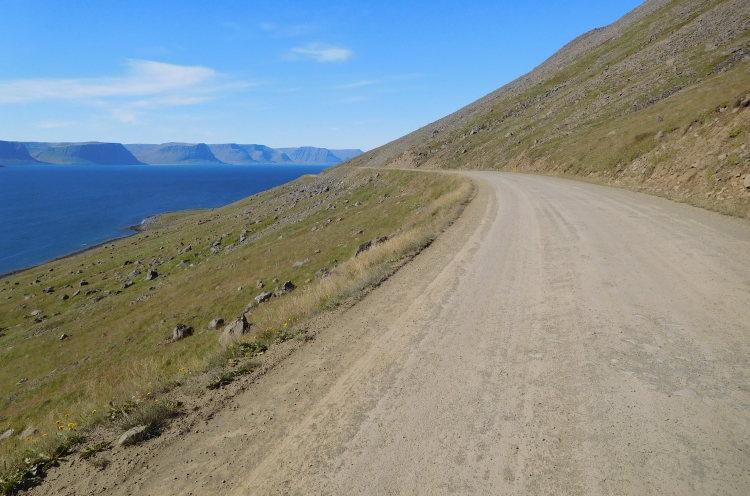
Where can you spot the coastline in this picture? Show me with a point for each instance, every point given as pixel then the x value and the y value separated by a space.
pixel 148 222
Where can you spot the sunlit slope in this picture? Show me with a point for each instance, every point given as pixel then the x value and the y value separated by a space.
pixel 657 101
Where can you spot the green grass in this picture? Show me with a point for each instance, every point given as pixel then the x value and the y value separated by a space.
pixel 115 359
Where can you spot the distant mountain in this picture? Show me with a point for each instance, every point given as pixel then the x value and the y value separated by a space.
pixel 81 153
pixel 310 155
pixel 174 154
pixel 15 152
pixel 34 152
pixel 345 155
pixel 235 154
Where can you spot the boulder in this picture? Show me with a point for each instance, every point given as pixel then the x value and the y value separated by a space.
pixel 48 290
pixel 151 275
pixel 263 297
pixel 234 331
pixel 181 332
pixel 285 288
pixel 259 285
pixel 5 435
pixel 83 282
pixel 187 249
pixel 133 435
pixel 34 313
pixel 135 273
pixel 214 324
pixel 64 297
pixel 369 244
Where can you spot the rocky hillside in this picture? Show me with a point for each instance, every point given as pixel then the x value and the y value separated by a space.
pixel 658 101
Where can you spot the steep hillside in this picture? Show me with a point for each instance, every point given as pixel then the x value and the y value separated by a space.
pixel 174 154
pixel 14 152
pixel 235 154
pixel 81 153
pixel 657 101
pixel 346 154
pixel 309 155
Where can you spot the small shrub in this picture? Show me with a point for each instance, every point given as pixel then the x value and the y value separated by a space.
pixel 153 414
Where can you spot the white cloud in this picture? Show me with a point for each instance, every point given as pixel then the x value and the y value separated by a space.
pixel 321 52
pixel 144 78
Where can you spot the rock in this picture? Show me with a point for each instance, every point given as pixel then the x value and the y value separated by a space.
pixel 181 332
pixel 34 313
pixel 5 435
pixel 64 297
pixel 214 324
pixel 722 157
pixel 133 274
pixel 259 284
pixel 127 285
pixel 659 136
pixel 263 297
pixel 133 435
pixel 78 291
pixel 83 282
pixel 745 101
pixel 151 275
pixel 747 181
pixel 234 331
pixel 369 244
pixel 297 265
pixel 125 263
pixel 187 249
pixel 287 287
pixel 63 337
pixel 28 432
pixel 48 290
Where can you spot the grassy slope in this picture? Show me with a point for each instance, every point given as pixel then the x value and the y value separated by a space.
pixel 116 345
pixel 679 70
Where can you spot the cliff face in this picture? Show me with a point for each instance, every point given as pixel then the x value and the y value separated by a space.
pixel 174 154
pixel 658 101
pixel 14 153
pixel 82 153
pixel 233 153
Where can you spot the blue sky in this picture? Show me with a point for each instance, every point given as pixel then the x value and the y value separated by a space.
pixel 332 74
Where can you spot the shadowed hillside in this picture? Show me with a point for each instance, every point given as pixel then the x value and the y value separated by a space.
pixel 657 101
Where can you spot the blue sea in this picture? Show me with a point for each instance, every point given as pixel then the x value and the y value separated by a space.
pixel 47 211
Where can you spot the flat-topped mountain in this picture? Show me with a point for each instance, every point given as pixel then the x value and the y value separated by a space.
pixel 233 153
pixel 81 153
pixel 174 154
pixel 15 152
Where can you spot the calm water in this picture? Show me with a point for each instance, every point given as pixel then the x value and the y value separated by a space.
pixel 47 211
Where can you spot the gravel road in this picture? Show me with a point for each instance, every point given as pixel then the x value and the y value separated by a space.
pixel 560 338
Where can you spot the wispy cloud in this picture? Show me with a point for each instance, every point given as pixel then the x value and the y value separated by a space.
pixel 358 84
pixel 320 52
pixel 144 78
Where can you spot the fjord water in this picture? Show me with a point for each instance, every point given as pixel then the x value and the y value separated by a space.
pixel 47 211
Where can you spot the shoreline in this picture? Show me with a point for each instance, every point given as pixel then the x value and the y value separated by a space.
pixel 145 224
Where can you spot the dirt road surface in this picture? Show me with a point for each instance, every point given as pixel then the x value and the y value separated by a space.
pixel 560 338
